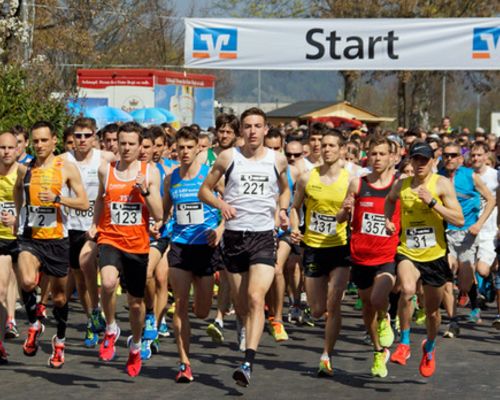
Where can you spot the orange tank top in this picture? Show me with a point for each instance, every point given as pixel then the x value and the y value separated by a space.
pixel 44 220
pixel 124 222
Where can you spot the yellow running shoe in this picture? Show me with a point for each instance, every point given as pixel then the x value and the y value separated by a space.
pixel 171 310
pixel 420 316
pixel 385 333
pixel 379 367
pixel 325 368
pixel 278 331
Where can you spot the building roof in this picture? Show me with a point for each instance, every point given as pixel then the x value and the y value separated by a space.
pixel 298 109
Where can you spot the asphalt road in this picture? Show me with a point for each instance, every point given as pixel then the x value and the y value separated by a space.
pixel 468 367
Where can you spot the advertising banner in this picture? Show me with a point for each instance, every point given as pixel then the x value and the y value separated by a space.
pixel 343 44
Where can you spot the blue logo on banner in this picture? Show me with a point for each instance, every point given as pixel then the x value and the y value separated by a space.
pixel 485 42
pixel 215 43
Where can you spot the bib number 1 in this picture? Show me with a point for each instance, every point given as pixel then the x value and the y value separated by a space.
pixel 189 214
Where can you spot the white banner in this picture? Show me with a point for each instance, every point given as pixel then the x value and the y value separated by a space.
pixel 343 44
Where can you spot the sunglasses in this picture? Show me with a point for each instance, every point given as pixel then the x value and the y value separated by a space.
pixel 296 155
pixel 81 135
pixel 450 155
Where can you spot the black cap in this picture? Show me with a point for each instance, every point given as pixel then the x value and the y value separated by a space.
pixel 421 149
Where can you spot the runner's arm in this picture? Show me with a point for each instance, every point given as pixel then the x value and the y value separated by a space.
pixel 284 197
pixel 348 204
pixel 390 206
pixel 450 210
pixel 488 208
pixel 99 201
pixel 18 191
pixel 167 200
pixel 297 204
pixel 153 200
pixel 80 200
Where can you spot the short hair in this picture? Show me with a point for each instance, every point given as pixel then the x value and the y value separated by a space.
pixel 452 144
pixel 187 133
pixel 380 140
pixel 335 133
pixel 431 139
pixel 149 135
pixel 83 122
pixel 481 145
pixel 413 132
pixel 227 119
pixel 318 129
pixel 20 130
pixel 44 124
pixel 69 131
pixel 158 132
pixel 110 128
pixel 195 127
pixel 205 134
pixel 131 127
pixel 253 111
pixel 274 133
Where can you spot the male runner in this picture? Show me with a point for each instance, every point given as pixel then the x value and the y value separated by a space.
pixel 316 132
pixel 128 193
pixel 427 200
pixel 22 136
pixel 372 249
pixel 194 255
pixel 254 177
pixel 43 240
pixel 8 244
pixel 109 135
pixel 326 270
pixel 88 160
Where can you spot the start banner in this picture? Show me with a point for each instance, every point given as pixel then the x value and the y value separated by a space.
pixel 343 44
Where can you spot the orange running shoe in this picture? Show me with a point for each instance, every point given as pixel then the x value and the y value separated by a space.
pixel 56 360
pixel 185 375
pixel 401 354
pixel 107 350
pixel 30 346
pixel 428 362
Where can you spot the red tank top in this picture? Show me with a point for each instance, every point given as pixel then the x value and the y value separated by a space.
pixel 370 244
pixel 124 222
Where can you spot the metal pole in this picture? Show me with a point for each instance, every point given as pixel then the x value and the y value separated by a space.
pixel 443 96
pixel 24 13
pixel 478 110
pixel 258 88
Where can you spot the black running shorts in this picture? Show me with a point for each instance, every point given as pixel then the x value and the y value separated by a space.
pixel 53 254
pixel 199 259
pixel 433 273
pixel 319 262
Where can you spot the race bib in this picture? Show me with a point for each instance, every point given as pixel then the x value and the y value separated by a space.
pixel 84 214
pixel 322 223
pixel 8 206
pixel 373 224
pixel 127 214
pixel 42 217
pixel 189 214
pixel 254 184
pixel 420 238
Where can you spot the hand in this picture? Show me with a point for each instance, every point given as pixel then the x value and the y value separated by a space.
pixel 475 229
pixel 140 182
pixel 424 195
pixel 47 196
pixel 228 212
pixel 154 229
pixel 92 232
pixel 7 218
pixel 390 227
pixel 296 236
pixel 284 221
pixel 214 236
pixel 348 203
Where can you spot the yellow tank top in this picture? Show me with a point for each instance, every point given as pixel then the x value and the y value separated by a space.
pixel 422 228
pixel 7 202
pixel 322 204
pixel 44 220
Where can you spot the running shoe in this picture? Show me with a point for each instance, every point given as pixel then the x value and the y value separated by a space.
pixel 367 339
pixel 41 311
pixel 420 316
pixel 428 362
pixel 185 374
pixel 11 331
pixel 56 360
pixel 463 299
pixel 216 332
pixel 452 331
pixel 475 316
pixel 242 374
pixel 325 368
pixel 496 322
pixel 146 351
pixel 306 317
pixel 30 346
pixel 294 315
pixel 241 332
pixel 379 367
pixel 150 329
pixel 97 321
pixel 401 354
pixel 155 346
pixel 384 332
pixel 134 362
pixel 107 350
pixel 163 329
pixel 171 310
pixel 352 289
pixel 91 338
pixel 359 304
pixel 3 354
pixel 279 332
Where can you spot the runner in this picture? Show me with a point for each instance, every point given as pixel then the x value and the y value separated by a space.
pixel 462 240
pixel 318 129
pixel 43 240
pixel 128 192
pixel 23 137
pixel 87 159
pixel 427 200
pixel 194 255
pixel 254 176
pixel 8 244
pixel 326 270
pixel 109 135
pixel 372 249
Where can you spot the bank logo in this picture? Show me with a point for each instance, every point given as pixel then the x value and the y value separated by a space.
pixel 486 43
pixel 219 43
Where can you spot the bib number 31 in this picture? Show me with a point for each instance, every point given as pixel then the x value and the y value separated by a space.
pixel 420 238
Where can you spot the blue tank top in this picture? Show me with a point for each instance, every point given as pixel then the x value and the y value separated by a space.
pixel 467 195
pixel 169 163
pixel 192 219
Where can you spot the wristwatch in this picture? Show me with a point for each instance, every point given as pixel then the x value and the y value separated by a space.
pixel 145 193
pixel 57 199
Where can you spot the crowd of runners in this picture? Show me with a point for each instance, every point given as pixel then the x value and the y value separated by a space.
pixel 276 223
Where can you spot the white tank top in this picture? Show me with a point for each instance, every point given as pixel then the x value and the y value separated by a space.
pixel 252 189
pixel 490 179
pixel 82 220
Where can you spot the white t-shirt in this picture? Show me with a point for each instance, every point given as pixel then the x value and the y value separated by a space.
pixel 490 178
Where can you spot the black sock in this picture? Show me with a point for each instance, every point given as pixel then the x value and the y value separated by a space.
pixel 473 296
pixel 393 305
pixel 149 310
pixel 61 316
pixel 29 299
pixel 250 356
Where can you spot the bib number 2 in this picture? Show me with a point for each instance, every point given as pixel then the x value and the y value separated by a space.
pixel 42 217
